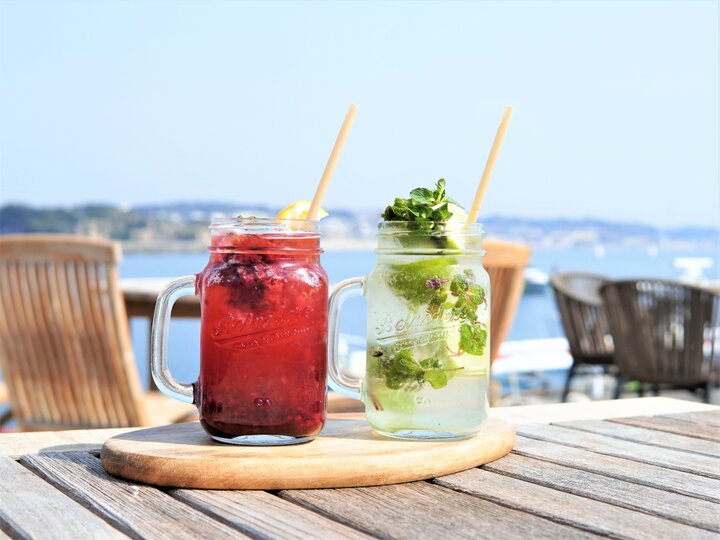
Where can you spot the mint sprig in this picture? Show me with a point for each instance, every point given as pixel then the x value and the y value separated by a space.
pixel 473 338
pixel 468 298
pixel 424 206
pixel 402 370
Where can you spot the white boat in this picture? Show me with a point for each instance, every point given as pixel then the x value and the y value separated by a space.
pixel 693 269
pixel 536 281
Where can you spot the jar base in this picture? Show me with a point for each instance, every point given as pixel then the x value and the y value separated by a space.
pixel 263 440
pixel 425 435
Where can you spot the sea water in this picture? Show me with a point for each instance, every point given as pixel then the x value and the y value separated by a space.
pixel 536 316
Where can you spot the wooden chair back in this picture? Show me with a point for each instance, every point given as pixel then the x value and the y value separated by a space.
pixel 65 349
pixel 505 262
pixel 665 332
pixel 577 295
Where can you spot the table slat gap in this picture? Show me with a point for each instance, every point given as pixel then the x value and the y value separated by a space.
pixel 30 507
pixel 138 510
pixel 601 444
pixel 565 508
pixel 672 425
pixel 645 436
pixel 635 472
pixel 679 508
pixel 260 514
pixel 411 511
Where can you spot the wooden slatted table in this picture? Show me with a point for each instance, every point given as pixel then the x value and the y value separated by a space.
pixel 636 468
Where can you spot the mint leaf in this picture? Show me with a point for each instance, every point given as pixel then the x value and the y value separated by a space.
pixel 403 371
pixel 422 196
pixel 476 295
pixel 472 339
pixel 404 364
pixel 464 309
pixel 459 284
pixel 436 305
pixel 437 378
pixel 430 363
pixel 469 295
pixel 415 281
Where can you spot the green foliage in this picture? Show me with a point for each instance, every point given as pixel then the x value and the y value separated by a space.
pixel 16 218
pixel 102 219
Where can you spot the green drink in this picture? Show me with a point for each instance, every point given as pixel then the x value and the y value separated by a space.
pixel 428 329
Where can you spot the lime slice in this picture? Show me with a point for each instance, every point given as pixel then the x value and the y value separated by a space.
pixel 392 401
pixel 456 223
pixel 458 214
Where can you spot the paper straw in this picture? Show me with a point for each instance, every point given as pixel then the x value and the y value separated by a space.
pixel 485 179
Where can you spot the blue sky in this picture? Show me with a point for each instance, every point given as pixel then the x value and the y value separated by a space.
pixel 616 103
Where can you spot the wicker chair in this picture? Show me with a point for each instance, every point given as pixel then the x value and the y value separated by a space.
pixel 665 333
pixel 577 295
pixel 65 347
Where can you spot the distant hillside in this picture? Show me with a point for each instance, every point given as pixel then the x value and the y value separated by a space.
pixel 184 225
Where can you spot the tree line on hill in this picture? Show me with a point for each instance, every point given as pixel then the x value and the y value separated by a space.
pixel 16 218
pixel 189 221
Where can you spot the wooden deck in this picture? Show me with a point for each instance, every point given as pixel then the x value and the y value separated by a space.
pixel 636 468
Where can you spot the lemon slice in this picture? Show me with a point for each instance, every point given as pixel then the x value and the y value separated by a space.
pixel 299 210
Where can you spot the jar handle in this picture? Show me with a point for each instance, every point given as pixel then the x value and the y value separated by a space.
pixel 339 381
pixel 160 332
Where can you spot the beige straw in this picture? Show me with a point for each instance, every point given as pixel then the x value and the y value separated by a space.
pixel 332 162
pixel 485 179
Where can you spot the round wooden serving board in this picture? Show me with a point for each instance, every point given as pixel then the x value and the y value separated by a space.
pixel 347 453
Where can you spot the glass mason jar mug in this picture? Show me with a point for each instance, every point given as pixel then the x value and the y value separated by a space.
pixel 263 333
pixel 428 332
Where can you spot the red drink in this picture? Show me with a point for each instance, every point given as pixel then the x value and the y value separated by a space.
pixel 263 334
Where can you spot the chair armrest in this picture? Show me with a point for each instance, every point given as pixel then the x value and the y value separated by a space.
pixel 576 296
pixel 579 291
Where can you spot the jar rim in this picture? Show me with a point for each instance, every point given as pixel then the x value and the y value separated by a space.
pixel 429 238
pixel 257 225
pixel 439 228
